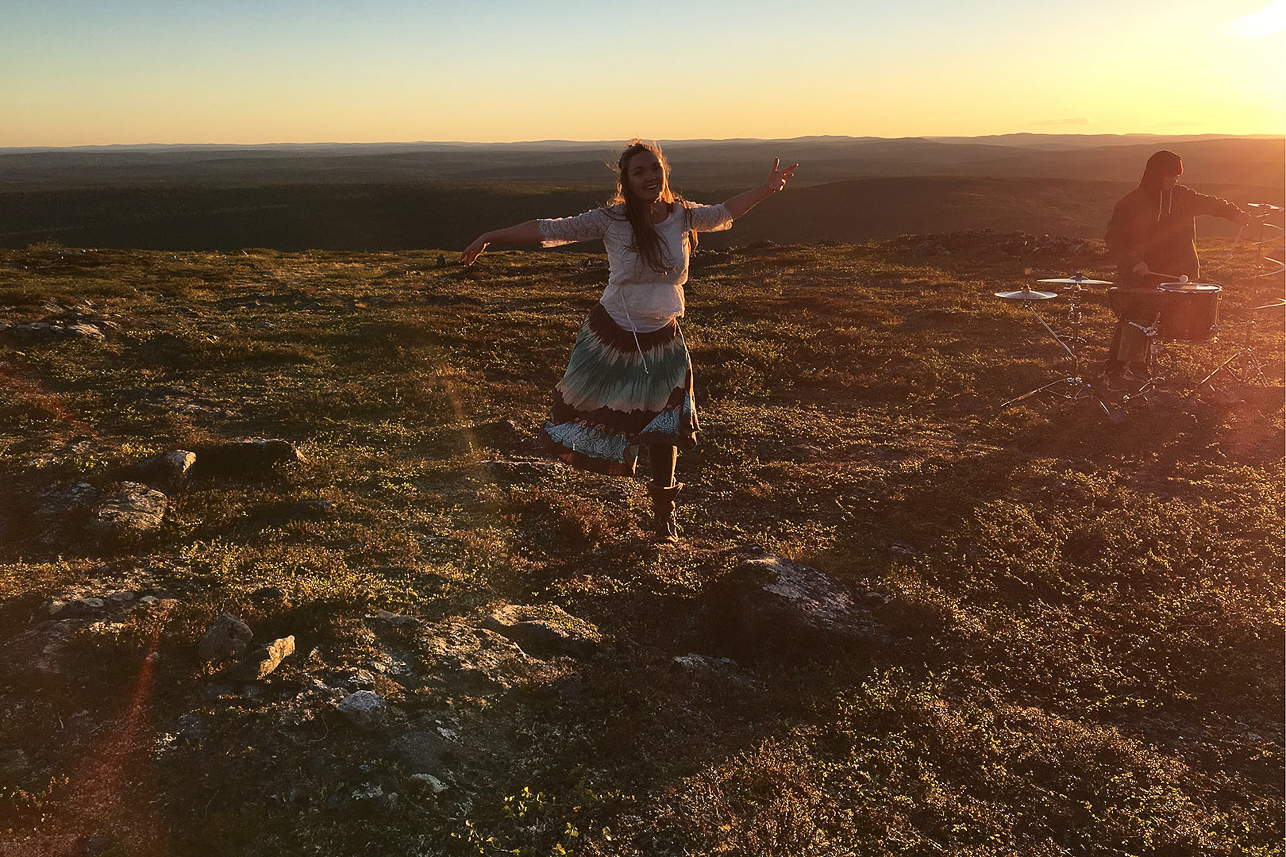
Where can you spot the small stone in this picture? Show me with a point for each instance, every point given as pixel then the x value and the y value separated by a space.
pixel 91 603
pixel 364 708
pixel 226 639
pixel 149 600
pixel 429 782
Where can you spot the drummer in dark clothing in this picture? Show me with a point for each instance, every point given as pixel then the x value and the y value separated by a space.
pixel 1152 234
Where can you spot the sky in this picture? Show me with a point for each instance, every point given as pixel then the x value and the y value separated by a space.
pixel 94 72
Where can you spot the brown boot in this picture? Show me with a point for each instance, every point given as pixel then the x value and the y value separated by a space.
pixel 666 527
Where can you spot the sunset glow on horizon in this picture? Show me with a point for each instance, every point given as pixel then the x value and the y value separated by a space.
pixel 87 72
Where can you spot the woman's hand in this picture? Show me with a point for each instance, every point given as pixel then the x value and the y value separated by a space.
pixel 777 178
pixel 474 250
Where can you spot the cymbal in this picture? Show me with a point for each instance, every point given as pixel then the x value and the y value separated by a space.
pixel 1264 206
pixel 1026 294
pixel 1187 284
pixel 1274 305
pixel 1077 280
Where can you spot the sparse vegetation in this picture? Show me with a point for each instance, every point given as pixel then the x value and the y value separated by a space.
pixel 1085 617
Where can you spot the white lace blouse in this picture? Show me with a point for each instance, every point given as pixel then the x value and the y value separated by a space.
pixel 637 297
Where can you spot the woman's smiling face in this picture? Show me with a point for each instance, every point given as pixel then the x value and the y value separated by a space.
pixel 645 177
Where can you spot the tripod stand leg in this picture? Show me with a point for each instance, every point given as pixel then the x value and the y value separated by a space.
pixel 1036 392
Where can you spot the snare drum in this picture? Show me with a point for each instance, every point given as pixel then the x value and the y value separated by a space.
pixel 1137 305
pixel 1189 312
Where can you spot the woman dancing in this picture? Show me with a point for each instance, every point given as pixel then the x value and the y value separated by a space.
pixel 629 381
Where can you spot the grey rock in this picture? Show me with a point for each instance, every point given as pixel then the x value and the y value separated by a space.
pixel 42 651
pixel 545 630
pixel 130 517
pixel 167 471
pixel 261 662
pixel 774 601
pixel 225 640
pixel 369 799
pixel 364 709
pixel 461 657
pixel 269 595
pixel 429 783
pixel 53 331
pixel 422 750
pixel 311 510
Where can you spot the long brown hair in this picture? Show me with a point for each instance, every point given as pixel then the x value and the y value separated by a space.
pixel 647 242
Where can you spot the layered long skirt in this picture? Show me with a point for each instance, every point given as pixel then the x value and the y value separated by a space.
pixel 613 399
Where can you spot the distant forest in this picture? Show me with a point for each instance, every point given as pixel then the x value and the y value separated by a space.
pixel 440 196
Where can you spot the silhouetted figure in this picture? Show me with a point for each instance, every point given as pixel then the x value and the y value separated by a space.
pixel 1152 235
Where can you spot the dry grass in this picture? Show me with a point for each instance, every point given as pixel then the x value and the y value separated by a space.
pixel 1087 616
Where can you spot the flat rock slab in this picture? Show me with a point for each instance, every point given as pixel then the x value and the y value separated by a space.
pixel 53 331
pixel 545 630
pixel 41 651
pixel 461 656
pixel 775 602
pixel 61 510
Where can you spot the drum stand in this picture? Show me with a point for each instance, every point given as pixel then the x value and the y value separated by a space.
pixel 1244 365
pixel 1074 388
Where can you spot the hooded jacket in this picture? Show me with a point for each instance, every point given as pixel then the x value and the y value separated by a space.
pixel 1153 225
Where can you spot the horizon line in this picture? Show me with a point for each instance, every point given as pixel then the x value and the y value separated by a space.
pixel 615 142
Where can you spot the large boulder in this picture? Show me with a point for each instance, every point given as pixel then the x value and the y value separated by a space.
pixel 42 651
pixel 244 457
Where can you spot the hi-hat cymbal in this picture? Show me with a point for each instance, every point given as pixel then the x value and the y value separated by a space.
pixel 1026 294
pixel 1077 280
pixel 1274 305
pixel 1263 206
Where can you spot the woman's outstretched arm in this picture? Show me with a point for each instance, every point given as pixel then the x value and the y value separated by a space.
pixel 524 233
pixel 777 178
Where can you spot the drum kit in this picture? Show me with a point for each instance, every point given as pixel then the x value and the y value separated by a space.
pixel 1177 311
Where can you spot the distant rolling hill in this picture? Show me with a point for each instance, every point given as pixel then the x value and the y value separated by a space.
pixel 398 196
